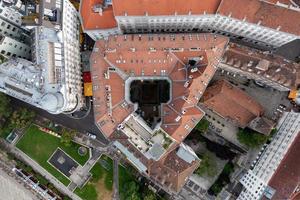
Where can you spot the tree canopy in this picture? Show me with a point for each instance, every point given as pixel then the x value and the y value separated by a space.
pixel 67 136
pixel 131 191
pixel 207 166
pixel 21 118
pixel 202 125
pixel 5 107
pixel 251 138
pixel 149 196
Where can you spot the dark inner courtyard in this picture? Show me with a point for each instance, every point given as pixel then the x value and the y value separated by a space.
pixel 149 94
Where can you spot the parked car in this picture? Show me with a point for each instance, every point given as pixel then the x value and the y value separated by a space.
pixel 91 135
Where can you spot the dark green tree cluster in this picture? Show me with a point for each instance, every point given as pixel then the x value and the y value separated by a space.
pixel 21 118
pixel 207 166
pixel 67 136
pixel 5 108
pixel 202 126
pixel 133 191
pixel 222 180
pixel 251 138
pixel 13 118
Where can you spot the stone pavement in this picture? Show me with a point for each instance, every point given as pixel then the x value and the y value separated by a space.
pixel 81 175
pixel 116 180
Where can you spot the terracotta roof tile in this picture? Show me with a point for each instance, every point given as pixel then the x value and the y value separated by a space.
pixel 255 11
pixel 92 20
pixel 271 67
pixel 232 103
pixel 119 57
pixel 172 171
pixel 138 55
pixel 164 7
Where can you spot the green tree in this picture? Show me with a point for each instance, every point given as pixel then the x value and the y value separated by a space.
pixel 207 166
pixel 149 195
pixel 131 191
pixel 21 118
pixel 251 138
pixel 5 107
pixel 67 136
pixel 202 126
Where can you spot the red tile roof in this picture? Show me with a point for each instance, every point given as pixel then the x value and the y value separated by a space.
pixel 271 67
pixel 92 20
pixel 255 11
pixel 172 171
pixel 232 103
pixel 164 7
pixel 138 55
pixel 119 57
pixel 287 176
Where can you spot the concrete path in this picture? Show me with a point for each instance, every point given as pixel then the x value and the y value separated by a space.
pixel 45 173
pixel 81 175
pixel 116 179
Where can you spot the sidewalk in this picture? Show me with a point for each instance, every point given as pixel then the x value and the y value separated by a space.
pixel 43 172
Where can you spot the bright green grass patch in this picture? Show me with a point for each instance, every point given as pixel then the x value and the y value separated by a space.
pixel 97 172
pixel 40 146
pixel 88 192
pixel 100 172
pixel 108 179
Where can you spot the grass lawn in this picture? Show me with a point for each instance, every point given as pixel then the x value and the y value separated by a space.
pixel 40 146
pixel 100 185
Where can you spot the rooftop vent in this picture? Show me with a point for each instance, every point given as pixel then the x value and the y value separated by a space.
pixel 98 8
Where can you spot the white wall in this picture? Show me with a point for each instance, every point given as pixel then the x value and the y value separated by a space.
pixel 102 33
pixel 10 47
pixel 72 60
pixel 231 27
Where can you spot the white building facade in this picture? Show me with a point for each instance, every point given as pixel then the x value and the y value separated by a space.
pixel 10 47
pixel 23 80
pixel 226 25
pixel 98 34
pixel 255 181
pixel 52 81
pixel 71 56
pixel 15 39
pixel 56 48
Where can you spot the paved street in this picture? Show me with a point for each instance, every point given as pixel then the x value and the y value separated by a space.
pixel 81 125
